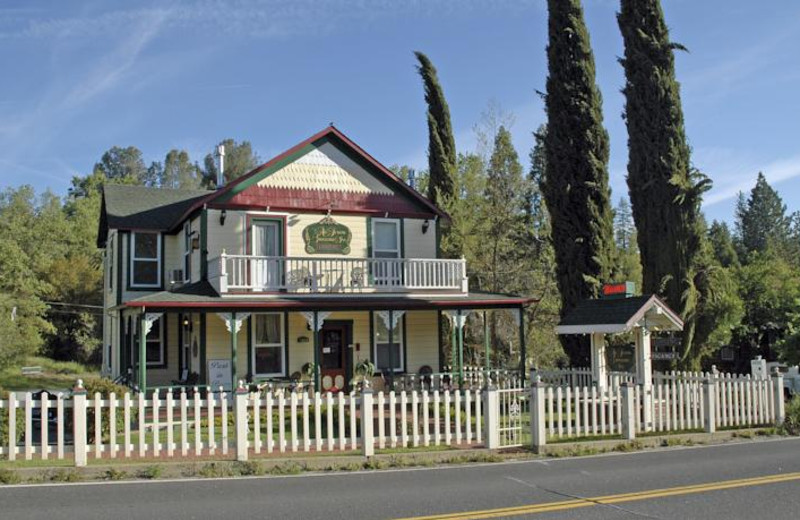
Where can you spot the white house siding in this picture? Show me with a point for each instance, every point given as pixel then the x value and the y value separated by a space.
pixel 218 343
pixel 422 343
pixel 417 243
pixel 230 237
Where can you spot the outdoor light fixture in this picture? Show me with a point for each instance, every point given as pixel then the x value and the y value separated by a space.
pixel 425 226
pixel 222 216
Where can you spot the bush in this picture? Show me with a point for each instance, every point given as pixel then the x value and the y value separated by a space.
pixel 104 387
pixel 8 476
pixel 791 425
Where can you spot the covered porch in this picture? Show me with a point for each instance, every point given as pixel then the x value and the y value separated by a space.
pixel 319 342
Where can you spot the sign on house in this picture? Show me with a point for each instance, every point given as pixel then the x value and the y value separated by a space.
pixel 327 237
pixel 219 373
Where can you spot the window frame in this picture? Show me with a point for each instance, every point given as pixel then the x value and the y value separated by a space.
pixel 397 225
pixel 401 328
pixel 158 260
pixel 162 358
pixel 281 344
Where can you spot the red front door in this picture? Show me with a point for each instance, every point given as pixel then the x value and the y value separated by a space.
pixel 333 360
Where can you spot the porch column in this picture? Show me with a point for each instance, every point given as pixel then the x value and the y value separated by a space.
pixel 461 319
pixel 599 367
pixel 486 343
pixel 146 321
pixel 233 322
pixel 523 348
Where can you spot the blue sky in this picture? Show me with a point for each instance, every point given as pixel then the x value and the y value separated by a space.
pixel 82 76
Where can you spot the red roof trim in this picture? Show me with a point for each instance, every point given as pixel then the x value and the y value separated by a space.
pixel 331 130
pixel 339 304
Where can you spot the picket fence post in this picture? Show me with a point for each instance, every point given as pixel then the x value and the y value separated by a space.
pixel 709 396
pixel 241 425
pixel 79 423
pixel 491 408
pixel 629 414
pixel 367 437
pixel 538 418
pixel 780 407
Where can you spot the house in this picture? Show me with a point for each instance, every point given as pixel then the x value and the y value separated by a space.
pixel 321 257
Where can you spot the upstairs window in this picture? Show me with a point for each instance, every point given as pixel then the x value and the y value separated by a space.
pixel 145 259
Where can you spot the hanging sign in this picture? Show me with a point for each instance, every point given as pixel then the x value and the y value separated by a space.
pixel 327 237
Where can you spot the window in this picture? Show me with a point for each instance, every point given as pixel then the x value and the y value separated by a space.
pixel 154 344
pixel 145 260
pixel 382 346
pixel 187 252
pixel 268 345
pixel 385 238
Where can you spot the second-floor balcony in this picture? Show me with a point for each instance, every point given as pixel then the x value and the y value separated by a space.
pixel 256 274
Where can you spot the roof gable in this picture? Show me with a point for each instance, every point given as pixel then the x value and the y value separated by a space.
pixel 326 171
pixel 618 315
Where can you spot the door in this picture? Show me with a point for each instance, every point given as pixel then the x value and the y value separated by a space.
pixel 334 339
pixel 266 272
pixel 386 251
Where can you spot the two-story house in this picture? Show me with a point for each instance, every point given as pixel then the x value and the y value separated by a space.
pixel 310 263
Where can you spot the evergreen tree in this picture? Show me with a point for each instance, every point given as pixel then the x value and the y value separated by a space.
pixel 722 243
pixel 123 165
pixel 628 267
pixel 575 186
pixel 665 191
pixel 761 221
pixel 442 160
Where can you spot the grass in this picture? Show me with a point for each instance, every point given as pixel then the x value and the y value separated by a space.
pixel 55 375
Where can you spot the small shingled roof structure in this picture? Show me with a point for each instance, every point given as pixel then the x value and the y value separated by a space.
pixel 617 315
pixel 143 208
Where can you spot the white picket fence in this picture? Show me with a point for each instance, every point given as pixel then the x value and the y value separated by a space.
pixel 676 402
pixel 294 422
pixel 206 423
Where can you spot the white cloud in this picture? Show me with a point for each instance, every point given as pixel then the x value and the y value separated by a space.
pixel 744 178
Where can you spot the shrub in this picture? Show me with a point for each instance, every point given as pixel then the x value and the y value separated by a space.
pixel 151 472
pixel 20 431
pixel 104 387
pixel 791 424
pixel 8 476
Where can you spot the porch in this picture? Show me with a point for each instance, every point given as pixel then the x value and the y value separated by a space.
pixel 324 344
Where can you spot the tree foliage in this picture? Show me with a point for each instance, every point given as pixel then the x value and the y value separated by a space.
pixel 575 185
pixel 239 159
pixel 441 143
pixel 762 222
pixel 665 190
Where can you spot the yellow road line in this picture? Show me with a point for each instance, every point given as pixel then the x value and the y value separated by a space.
pixel 611 499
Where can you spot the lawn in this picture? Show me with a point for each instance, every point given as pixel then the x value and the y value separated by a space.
pixel 56 375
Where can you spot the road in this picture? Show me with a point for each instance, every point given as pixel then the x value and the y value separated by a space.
pixel 720 482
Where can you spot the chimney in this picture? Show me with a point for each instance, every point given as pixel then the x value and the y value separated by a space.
pixel 221 168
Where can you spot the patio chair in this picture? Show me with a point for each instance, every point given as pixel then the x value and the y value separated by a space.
pixel 357 277
pixel 300 277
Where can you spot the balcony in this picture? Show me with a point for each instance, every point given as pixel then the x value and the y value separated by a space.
pixel 258 274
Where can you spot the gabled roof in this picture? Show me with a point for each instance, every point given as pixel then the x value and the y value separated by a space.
pixel 142 208
pixel 229 191
pixel 618 315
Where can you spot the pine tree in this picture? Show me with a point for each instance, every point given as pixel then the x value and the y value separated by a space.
pixel 576 181
pixel 722 243
pixel 665 191
pixel 627 267
pixel 761 221
pixel 442 160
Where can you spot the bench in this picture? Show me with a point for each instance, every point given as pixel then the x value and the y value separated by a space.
pixel 31 371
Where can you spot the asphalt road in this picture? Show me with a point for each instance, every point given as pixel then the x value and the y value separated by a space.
pixel 461 491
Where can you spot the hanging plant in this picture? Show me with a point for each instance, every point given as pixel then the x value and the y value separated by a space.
pixel 365 368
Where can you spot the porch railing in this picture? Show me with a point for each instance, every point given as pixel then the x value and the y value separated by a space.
pixel 335 274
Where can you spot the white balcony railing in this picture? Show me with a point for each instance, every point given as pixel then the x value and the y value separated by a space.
pixel 244 273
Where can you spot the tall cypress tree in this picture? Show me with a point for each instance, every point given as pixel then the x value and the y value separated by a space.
pixel 442 160
pixel 575 186
pixel 665 192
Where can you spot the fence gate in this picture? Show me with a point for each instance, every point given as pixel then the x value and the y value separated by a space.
pixel 514 417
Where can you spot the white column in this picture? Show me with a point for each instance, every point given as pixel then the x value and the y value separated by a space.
pixel 367 436
pixel 538 426
pixel 599 367
pixel 491 418
pixel 780 406
pixel 628 412
pixel 79 423
pixel 241 425
pixel 709 396
pixel 644 372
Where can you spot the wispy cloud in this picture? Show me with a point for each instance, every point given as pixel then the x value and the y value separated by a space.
pixel 743 180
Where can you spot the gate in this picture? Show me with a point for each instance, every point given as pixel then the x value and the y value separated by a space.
pixel 514 420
